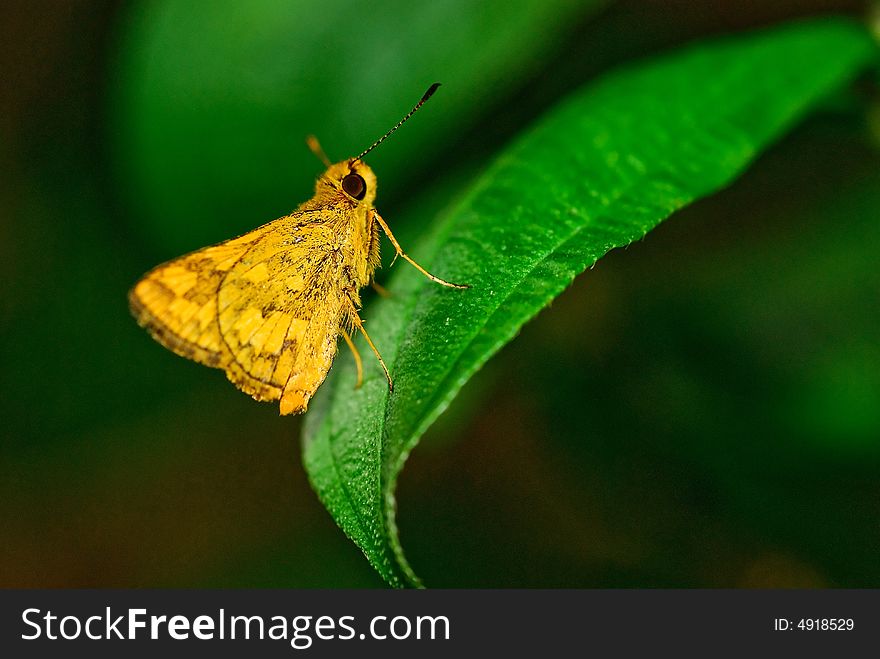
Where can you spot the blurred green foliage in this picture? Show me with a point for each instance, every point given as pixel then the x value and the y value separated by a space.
pixel 726 368
pixel 206 158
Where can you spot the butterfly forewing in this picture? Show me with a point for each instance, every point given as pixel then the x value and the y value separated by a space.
pixel 279 313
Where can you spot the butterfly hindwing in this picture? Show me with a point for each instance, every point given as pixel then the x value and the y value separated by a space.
pixel 177 301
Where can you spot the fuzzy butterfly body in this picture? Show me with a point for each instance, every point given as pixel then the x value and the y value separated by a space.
pixel 268 307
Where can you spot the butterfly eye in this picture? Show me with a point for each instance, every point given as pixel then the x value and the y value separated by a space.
pixel 355 186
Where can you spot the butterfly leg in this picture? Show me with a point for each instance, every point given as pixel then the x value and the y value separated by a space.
pixel 357 322
pixel 357 359
pixel 405 257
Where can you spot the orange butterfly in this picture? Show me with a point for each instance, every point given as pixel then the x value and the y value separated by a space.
pixel 267 307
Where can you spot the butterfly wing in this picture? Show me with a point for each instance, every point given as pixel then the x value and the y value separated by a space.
pixel 266 307
pixel 280 309
pixel 177 301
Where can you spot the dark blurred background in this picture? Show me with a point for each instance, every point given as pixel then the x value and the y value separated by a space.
pixel 701 409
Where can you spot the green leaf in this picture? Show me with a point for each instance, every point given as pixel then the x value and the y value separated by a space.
pixel 597 172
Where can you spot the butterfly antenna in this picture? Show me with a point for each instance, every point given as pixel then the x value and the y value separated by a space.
pixel 427 95
pixel 315 147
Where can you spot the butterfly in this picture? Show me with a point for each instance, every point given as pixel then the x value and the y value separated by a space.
pixel 268 307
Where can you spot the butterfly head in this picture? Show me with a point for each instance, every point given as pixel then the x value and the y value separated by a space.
pixel 351 179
